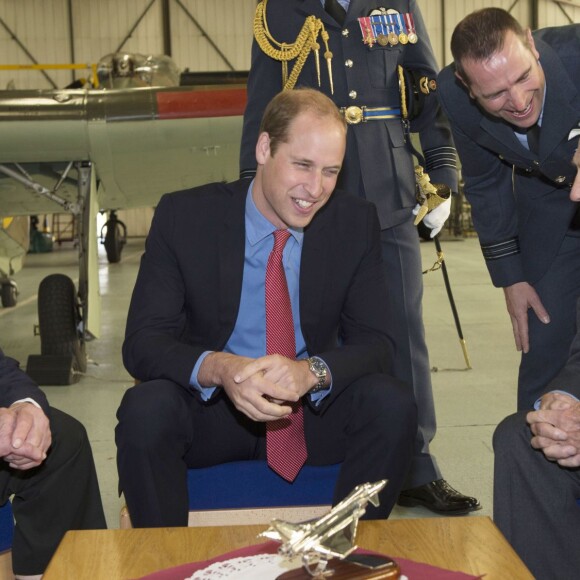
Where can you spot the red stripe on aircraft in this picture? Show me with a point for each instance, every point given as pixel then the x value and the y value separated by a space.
pixel 201 103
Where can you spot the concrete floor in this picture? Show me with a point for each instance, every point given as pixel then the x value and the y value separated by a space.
pixel 469 402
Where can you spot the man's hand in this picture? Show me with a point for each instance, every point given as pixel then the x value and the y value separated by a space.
pixel 294 376
pixel 24 435
pixel 436 218
pixel 257 387
pixel 519 298
pixel 556 429
pixel 556 401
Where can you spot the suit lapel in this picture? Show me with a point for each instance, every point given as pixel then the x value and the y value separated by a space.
pixel 358 8
pixel 313 276
pixel 230 256
pixel 562 102
pixel 503 134
pixel 315 8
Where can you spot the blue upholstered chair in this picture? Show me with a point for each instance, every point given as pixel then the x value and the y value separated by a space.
pixel 6 527
pixel 6 535
pixel 249 492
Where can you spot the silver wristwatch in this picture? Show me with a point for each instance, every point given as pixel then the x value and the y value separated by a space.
pixel 320 370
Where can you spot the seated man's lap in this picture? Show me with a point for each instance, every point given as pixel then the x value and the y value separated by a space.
pixel 374 407
pixel 161 416
pixel 165 415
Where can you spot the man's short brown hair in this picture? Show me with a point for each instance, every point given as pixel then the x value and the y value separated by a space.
pixel 287 105
pixel 481 34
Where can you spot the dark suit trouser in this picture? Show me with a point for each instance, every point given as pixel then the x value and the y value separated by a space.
pixel 402 257
pixel 61 494
pixel 559 290
pixel 163 430
pixel 534 503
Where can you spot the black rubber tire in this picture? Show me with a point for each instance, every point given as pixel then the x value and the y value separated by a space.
pixel 58 320
pixel 9 294
pixel 114 242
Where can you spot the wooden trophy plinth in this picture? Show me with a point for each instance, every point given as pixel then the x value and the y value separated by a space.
pixel 354 567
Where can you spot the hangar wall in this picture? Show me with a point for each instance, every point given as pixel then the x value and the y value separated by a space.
pixel 202 35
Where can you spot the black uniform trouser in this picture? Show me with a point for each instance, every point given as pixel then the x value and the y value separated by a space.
pixel 61 494
pixel 164 429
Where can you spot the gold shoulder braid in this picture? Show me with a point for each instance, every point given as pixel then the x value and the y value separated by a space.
pixel 403 93
pixel 306 41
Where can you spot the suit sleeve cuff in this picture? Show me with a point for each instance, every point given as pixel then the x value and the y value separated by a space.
pixel 206 393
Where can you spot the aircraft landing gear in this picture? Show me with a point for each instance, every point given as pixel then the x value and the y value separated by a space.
pixel 59 320
pixel 9 294
pixel 115 237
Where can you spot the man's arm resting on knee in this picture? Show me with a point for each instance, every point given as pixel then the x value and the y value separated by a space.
pixel 25 435
pixel 520 297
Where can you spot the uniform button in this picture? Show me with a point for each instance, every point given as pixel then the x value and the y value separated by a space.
pixel 536 163
pixel 348 63
pixel 500 156
pixel 345 32
pixel 560 179
pixel 352 94
pixel 528 170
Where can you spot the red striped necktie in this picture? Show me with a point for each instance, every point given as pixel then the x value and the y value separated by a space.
pixel 285 443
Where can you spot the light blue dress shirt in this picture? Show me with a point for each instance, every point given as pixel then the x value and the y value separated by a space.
pixel 249 335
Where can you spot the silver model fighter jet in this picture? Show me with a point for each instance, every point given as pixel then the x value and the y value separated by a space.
pixel 332 535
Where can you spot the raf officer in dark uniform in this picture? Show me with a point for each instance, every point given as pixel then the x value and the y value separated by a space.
pixel 351 50
pixel 513 100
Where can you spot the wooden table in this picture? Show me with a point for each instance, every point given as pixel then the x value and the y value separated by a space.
pixel 468 544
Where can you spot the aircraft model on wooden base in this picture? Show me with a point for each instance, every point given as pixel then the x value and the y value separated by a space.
pixel 332 535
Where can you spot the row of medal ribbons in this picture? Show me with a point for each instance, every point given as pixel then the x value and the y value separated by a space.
pixel 389 29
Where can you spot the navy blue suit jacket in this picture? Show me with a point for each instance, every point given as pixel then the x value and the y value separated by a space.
pixel 188 289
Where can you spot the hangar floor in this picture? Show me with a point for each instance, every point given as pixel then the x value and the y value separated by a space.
pixel 469 402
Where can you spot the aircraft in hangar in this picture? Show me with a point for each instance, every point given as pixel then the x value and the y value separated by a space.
pixel 86 151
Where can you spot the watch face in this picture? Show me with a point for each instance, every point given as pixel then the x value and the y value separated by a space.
pixel 319 369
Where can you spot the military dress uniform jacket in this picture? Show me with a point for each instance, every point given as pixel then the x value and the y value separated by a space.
pixel 378 164
pixel 522 227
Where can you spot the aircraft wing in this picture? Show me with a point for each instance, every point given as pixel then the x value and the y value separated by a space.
pixel 83 151
pixel 341 544
pixel 141 142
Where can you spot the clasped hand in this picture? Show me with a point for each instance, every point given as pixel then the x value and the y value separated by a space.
pixel 24 435
pixel 556 429
pixel 260 388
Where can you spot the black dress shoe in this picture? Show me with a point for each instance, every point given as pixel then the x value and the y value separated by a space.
pixel 439 497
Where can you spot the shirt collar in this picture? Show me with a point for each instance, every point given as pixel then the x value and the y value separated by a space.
pixel 258 227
